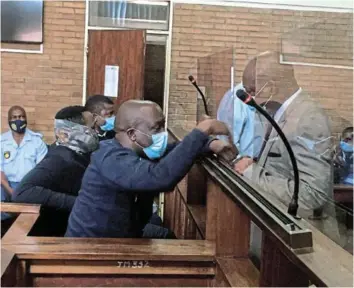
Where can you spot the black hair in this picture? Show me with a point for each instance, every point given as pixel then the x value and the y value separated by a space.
pixel 72 113
pixel 95 103
pixel 13 108
pixel 347 130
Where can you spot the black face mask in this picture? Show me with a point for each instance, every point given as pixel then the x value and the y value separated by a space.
pixel 18 126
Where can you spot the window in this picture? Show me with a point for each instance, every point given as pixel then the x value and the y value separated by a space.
pixel 130 14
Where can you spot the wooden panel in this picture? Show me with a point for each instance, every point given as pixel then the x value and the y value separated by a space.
pixel 169 209
pixel 182 187
pixel 121 267
pixel 125 49
pixel 183 219
pixel 177 223
pixel 232 230
pixel 124 281
pixel 212 209
pixel 277 270
pixel 237 272
pixel 220 279
pixel 8 268
pixel 198 213
pixel 119 249
pixel 196 190
pixel 191 227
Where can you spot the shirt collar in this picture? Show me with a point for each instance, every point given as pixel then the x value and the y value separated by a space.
pixel 286 104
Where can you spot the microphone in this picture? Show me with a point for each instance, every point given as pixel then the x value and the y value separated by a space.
pixel 192 80
pixel 248 99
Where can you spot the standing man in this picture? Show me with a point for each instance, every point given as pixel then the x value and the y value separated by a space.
pixel 102 109
pixel 21 150
pixel 137 161
pixel 244 121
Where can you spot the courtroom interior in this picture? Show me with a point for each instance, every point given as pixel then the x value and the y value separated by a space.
pixel 177 143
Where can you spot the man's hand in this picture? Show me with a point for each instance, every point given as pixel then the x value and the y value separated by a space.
pixel 213 127
pixel 5 183
pixel 223 149
pixel 243 164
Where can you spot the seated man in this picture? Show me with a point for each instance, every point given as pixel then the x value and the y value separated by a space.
pixel 130 165
pixel 55 182
pixel 21 150
pixel 343 161
pixel 102 109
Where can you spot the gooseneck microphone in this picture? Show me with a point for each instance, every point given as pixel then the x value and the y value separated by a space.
pixel 248 99
pixel 192 80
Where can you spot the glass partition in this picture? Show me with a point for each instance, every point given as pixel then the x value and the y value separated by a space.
pixel 303 80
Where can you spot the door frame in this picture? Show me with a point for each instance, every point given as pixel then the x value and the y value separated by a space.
pixel 167 34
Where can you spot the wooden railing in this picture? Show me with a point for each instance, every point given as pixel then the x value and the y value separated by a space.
pixel 211 212
pixel 215 204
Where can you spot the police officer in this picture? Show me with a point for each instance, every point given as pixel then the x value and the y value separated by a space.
pixel 21 150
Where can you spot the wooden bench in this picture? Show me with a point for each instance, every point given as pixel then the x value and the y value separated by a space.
pixel 49 261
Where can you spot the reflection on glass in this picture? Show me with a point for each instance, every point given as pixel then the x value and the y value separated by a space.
pixel 304 86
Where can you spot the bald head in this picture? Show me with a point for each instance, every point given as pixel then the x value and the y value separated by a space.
pixel 265 74
pixel 134 112
pixel 136 122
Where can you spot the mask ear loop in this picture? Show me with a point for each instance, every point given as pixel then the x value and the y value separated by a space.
pixel 260 90
pixel 136 142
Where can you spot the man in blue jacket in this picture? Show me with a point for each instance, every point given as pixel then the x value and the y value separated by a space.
pixel 129 165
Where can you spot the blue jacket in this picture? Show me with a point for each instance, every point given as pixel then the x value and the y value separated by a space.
pixel 105 206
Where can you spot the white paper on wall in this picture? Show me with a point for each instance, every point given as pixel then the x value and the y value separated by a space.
pixel 111 81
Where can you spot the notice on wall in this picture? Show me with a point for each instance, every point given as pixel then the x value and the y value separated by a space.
pixel 111 81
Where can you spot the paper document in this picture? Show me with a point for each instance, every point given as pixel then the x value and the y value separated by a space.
pixel 111 81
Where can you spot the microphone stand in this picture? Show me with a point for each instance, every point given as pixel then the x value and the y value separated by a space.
pixel 293 205
pixel 194 83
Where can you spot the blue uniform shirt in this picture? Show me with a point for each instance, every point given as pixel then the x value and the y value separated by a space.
pixel 18 160
pixel 244 122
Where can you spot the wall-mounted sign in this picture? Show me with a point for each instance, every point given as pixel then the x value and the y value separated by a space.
pixel 111 81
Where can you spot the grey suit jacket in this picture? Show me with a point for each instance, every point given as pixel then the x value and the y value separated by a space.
pixel 307 128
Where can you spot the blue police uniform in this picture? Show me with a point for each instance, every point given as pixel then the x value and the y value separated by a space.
pixel 18 160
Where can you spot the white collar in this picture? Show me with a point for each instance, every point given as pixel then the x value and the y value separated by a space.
pixel 286 104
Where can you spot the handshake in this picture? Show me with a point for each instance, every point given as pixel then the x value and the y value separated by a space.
pixel 225 150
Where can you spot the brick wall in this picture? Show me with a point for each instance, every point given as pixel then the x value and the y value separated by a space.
pixel 44 83
pixel 202 31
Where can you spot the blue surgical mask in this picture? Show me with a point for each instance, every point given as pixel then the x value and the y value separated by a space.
pixel 158 147
pixel 346 147
pixel 109 125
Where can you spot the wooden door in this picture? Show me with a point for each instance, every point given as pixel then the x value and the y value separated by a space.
pixel 125 49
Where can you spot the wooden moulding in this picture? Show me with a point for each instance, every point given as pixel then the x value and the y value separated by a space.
pixel 20 208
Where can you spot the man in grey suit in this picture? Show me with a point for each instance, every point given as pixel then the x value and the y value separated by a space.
pixel 307 128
